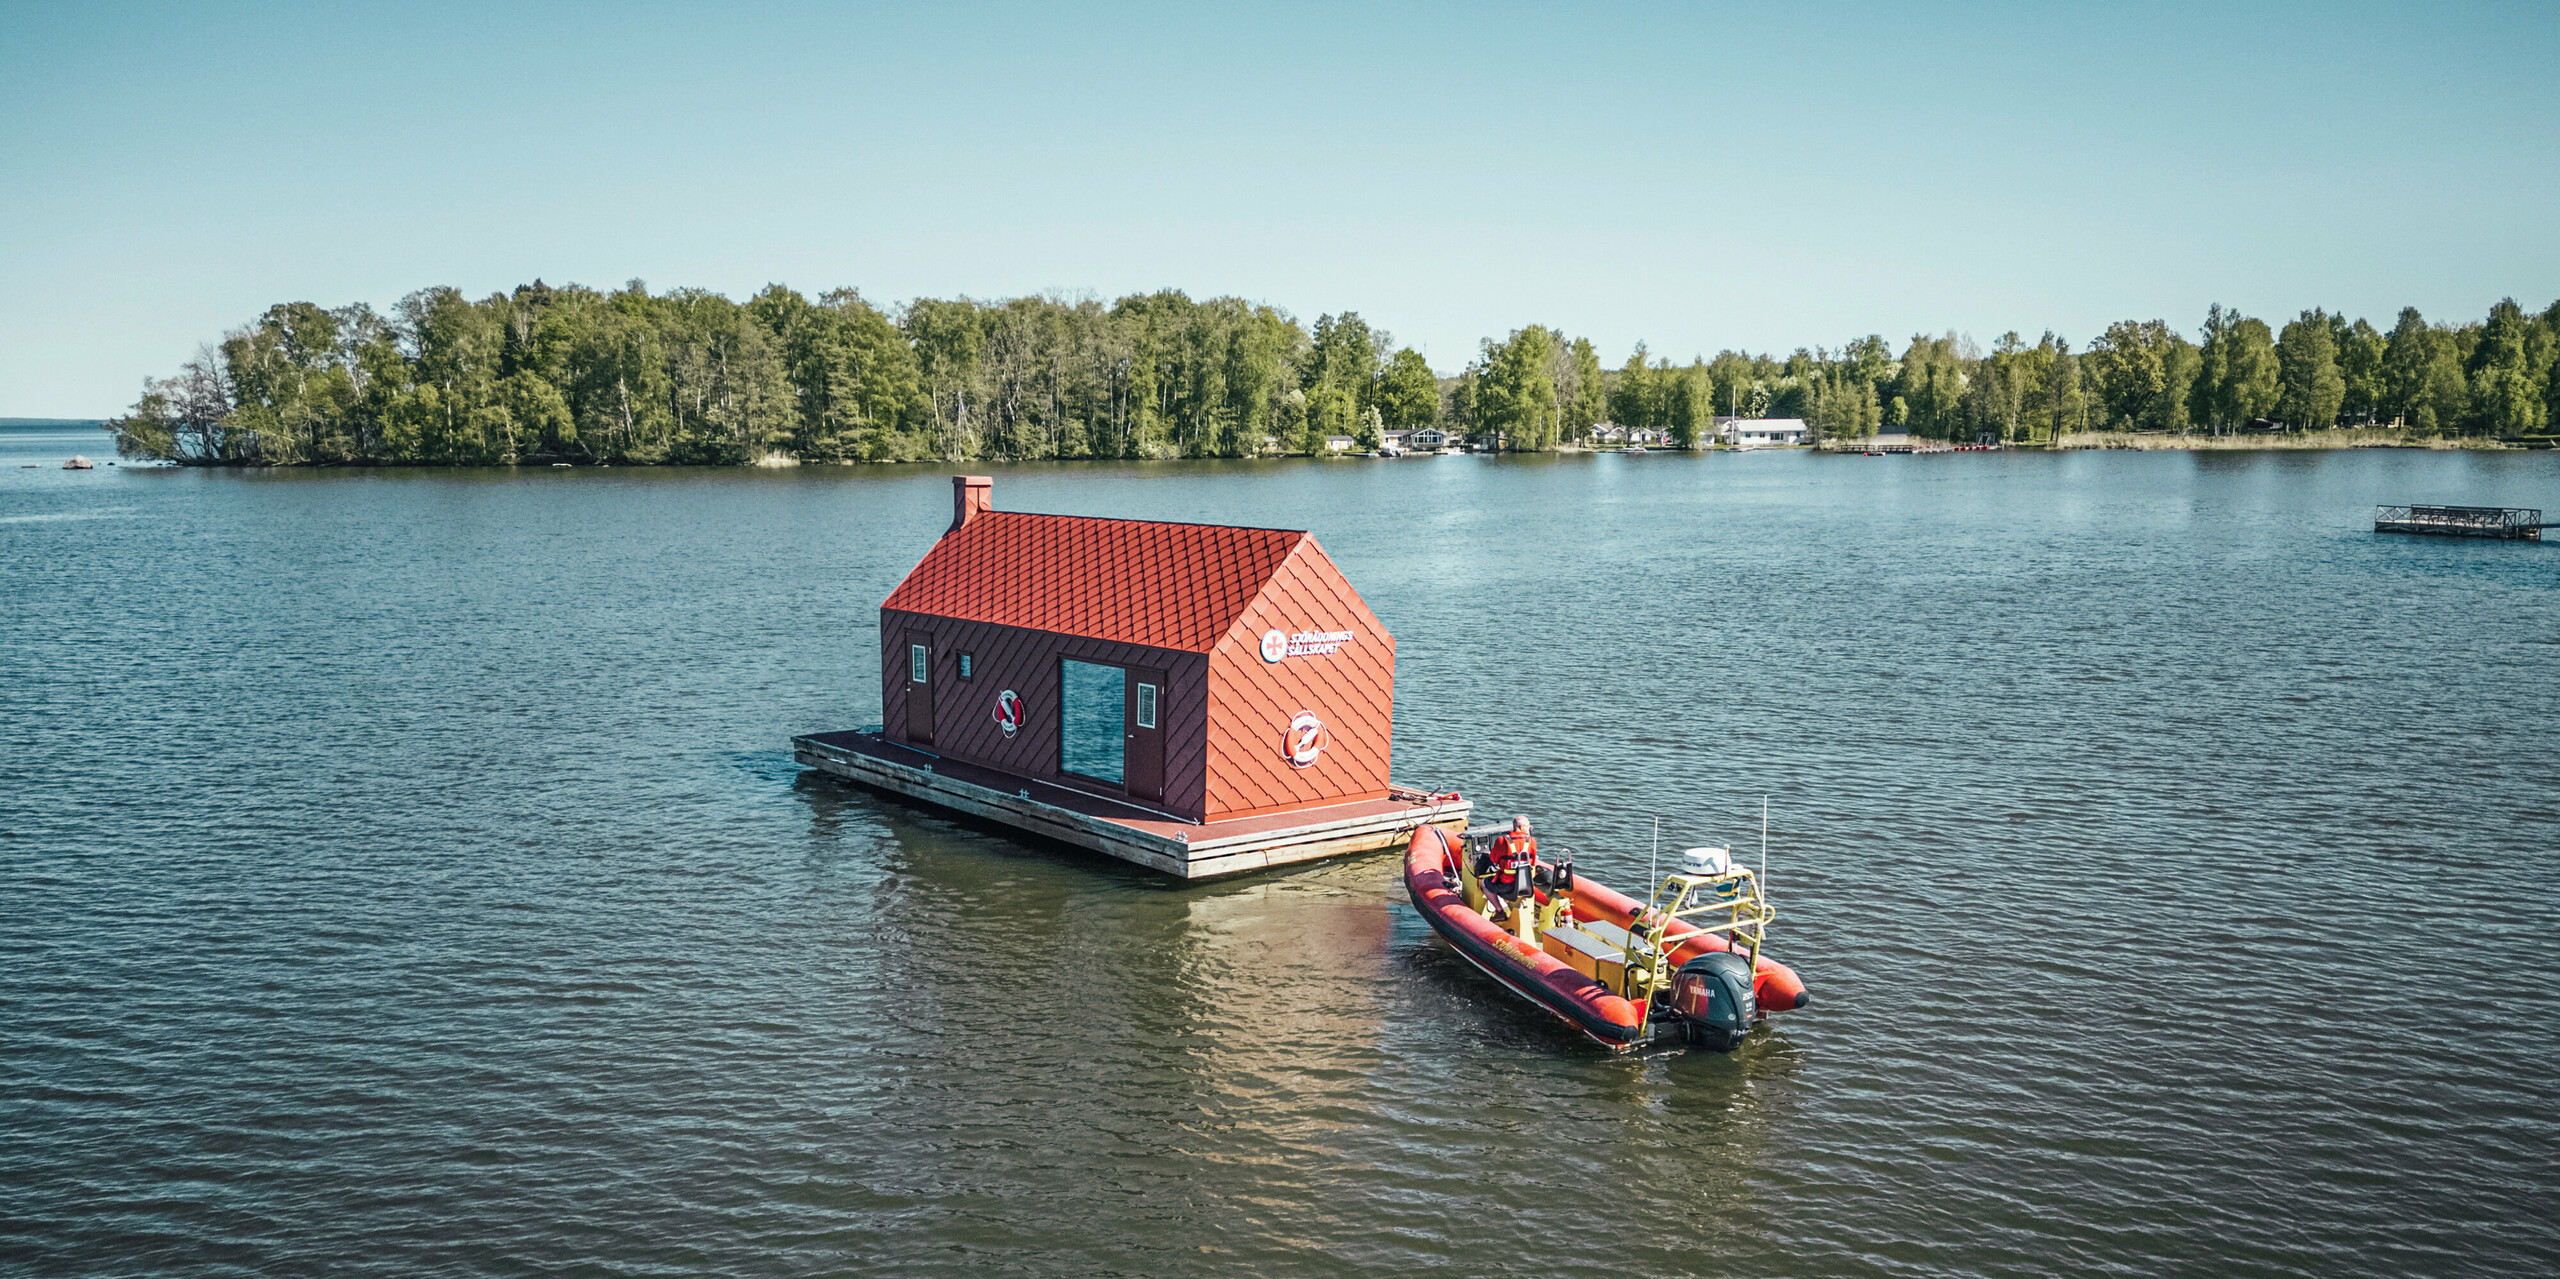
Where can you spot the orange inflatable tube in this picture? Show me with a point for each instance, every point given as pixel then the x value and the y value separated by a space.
pixel 1774 986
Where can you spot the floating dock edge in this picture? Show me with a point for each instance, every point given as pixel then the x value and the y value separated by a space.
pixel 1117 828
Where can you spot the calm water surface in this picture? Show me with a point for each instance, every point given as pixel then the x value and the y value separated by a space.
pixel 406 872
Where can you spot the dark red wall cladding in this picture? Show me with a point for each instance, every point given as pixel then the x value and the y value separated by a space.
pixel 1026 661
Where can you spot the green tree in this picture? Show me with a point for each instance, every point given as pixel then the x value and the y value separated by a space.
pixel 1843 403
pixel 2058 404
pixel 947 338
pixel 1733 373
pixel 1330 412
pixel 2422 378
pixel 1996 398
pixel 2361 349
pixel 615 381
pixel 1255 377
pixel 2237 379
pixel 451 412
pixel 2506 394
pixel 1371 432
pixel 183 418
pixel 1582 388
pixel 2551 365
pixel 1408 395
pixel 292 394
pixel 730 398
pixel 2130 369
pixel 2307 360
pixel 1635 399
pixel 1458 412
pixel 2406 352
pixel 1339 379
pixel 1693 404
pixel 1931 386
pixel 1517 398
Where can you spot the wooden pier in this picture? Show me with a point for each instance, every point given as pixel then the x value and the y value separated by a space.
pixel 1898 443
pixel 1131 832
pixel 2507 523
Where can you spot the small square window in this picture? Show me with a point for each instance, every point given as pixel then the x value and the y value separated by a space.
pixel 968 666
pixel 1146 706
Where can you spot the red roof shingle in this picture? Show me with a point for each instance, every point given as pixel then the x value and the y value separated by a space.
pixel 1175 586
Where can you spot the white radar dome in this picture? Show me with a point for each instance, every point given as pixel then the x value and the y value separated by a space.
pixel 1706 861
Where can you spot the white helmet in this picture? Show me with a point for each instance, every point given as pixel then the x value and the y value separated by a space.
pixel 1521 823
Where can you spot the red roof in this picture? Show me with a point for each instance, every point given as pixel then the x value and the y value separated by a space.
pixel 1176 586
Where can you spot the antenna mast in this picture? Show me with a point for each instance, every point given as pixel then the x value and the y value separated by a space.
pixel 1764 844
pixel 1656 873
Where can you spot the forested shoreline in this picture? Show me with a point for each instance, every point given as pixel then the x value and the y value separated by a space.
pixel 570 373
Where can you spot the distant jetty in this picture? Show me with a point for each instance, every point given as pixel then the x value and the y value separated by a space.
pixel 2505 523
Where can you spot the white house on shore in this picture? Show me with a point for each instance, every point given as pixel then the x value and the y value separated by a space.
pixel 1761 432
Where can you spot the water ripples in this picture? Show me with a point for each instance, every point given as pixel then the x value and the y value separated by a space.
pixel 405 872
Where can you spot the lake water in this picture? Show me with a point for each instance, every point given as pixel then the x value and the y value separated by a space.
pixel 406 871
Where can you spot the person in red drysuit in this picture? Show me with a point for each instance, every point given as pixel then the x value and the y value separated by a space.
pixel 1511 852
pixel 1514 848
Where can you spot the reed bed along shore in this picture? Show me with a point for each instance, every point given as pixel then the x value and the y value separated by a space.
pixel 2342 438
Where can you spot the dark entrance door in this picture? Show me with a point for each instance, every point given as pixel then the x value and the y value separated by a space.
pixel 1145 760
pixel 920 687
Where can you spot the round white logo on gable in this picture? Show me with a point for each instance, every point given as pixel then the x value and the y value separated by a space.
pixel 1275 645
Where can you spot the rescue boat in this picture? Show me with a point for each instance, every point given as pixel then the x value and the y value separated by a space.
pixel 1683 966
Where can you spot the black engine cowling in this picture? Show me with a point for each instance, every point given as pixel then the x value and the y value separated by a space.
pixel 1712 997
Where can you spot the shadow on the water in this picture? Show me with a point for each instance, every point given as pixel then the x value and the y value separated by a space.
pixel 918 826
pixel 1482 1011
pixel 1477 1009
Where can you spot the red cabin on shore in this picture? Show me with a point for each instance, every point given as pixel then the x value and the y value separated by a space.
pixel 1202 671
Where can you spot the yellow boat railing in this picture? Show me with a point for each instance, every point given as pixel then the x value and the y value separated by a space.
pixel 1694 900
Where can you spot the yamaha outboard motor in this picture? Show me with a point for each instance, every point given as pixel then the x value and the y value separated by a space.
pixel 1712 996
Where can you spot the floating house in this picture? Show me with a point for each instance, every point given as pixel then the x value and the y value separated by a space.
pixel 1199 698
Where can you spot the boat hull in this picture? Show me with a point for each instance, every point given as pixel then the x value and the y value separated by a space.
pixel 1430 876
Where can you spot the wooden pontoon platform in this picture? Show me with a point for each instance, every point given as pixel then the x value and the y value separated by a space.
pixel 1131 832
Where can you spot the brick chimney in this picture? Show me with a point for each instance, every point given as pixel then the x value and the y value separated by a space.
pixel 971 496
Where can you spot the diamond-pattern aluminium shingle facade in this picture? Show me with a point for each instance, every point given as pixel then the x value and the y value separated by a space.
pixel 1020 592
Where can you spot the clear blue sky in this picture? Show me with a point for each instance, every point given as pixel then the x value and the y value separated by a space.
pixel 1696 176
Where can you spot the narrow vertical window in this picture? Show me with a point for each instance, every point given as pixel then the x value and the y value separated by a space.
pixel 917 665
pixel 1146 706
pixel 968 666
